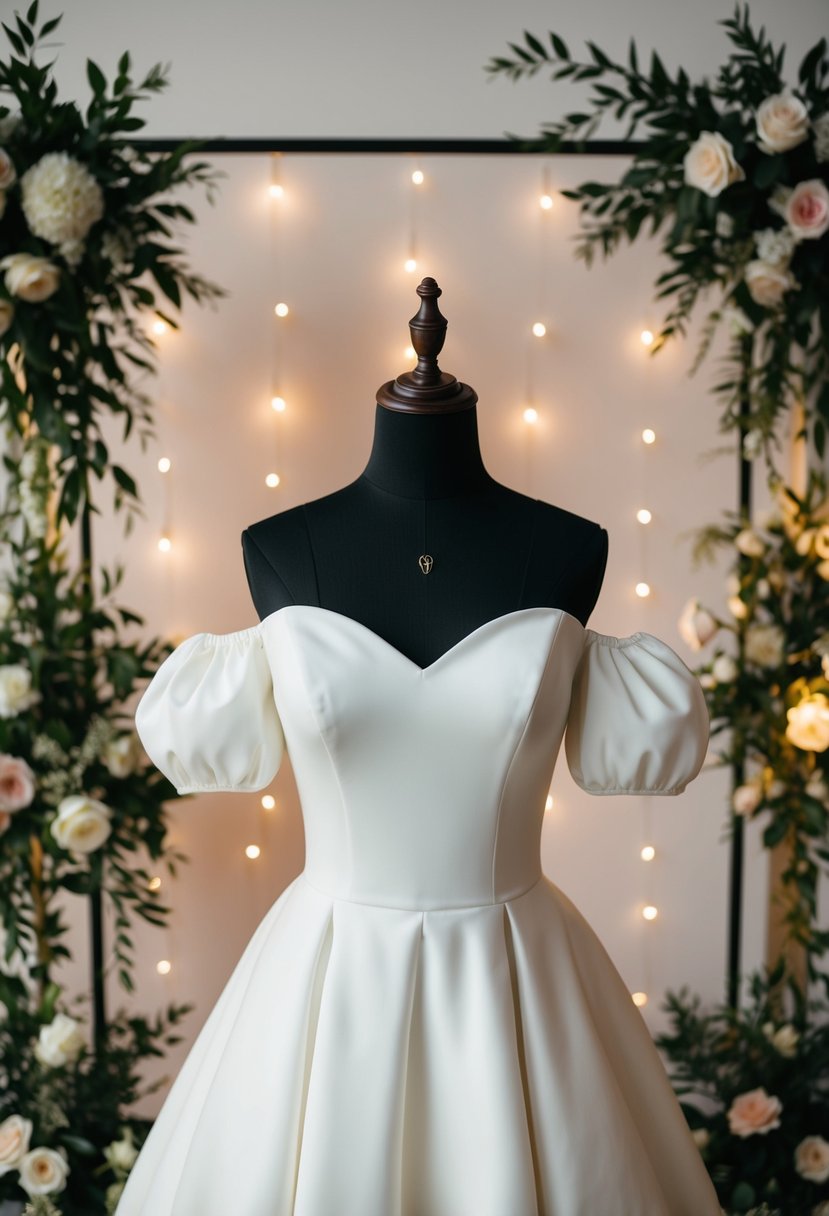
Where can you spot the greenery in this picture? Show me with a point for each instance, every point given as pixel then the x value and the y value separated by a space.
pixel 87 261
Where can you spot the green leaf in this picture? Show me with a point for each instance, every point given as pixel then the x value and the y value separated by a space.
pixel 633 59
pixel 96 78
pixel 535 45
pixel 559 46
pixel 810 61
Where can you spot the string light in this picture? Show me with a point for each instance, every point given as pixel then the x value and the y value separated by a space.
pixel 252 851
pixel 643 515
pixel 276 190
pixel 640 998
pixel 648 435
pixel 160 326
pixel 165 544
pixel 648 852
pixel 278 403
pixel 546 197
pixel 539 329
pixel 164 966
pixel 281 310
pixel 643 590
pixel 164 464
pixel 649 912
pixel 410 353
pixel 646 337
pixel 268 802
pixel 272 480
pixel 410 265
pixel 531 414
pixel 417 177
pixel 154 883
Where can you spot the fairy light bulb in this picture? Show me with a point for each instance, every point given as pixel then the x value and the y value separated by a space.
pixel 649 912
pixel 268 802
pixel 410 353
pixel 417 177
pixel 646 337
pixel 272 480
pixel 539 329
pixel 410 265
pixel 639 998
pixel 160 327
pixel 546 202
pixel 643 515
pixel 165 544
pixel 252 851
pixel 530 414
pixel 164 464
pixel 648 852
pixel 278 403
pixel 164 966
pixel 154 883
pixel 643 590
pixel 276 191
pixel 648 436
pixel 281 310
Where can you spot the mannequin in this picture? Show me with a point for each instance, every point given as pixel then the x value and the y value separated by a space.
pixel 425 546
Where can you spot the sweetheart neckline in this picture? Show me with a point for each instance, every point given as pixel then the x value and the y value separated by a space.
pixel 461 643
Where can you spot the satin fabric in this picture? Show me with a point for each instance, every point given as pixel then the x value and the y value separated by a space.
pixel 423 1024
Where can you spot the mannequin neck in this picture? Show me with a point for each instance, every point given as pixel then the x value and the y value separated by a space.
pixel 426 455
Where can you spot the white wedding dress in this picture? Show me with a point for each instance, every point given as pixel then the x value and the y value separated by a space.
pixel 423 1024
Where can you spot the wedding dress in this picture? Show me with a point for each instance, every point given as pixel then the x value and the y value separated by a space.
pixel 423 1023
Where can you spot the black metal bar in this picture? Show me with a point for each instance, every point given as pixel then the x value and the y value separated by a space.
pixel 449 147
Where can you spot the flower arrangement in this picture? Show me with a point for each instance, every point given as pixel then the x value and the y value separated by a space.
pixel 85 244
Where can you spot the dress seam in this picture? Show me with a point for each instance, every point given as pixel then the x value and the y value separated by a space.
pixel 490 903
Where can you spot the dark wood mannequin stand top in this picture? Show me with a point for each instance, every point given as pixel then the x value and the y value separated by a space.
pixel 364 550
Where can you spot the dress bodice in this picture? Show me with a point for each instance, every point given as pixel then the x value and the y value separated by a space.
pixel 424 787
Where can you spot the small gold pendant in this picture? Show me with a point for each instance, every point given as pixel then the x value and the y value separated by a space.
pixel 425 562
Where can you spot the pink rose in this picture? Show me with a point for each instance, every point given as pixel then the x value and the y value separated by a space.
pixel 754 1112
pixel 807 209
pixel 17 783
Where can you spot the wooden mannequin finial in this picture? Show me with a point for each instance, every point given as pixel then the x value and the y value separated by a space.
pixel 426 389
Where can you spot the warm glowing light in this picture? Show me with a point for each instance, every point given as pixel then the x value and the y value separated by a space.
pixel 648 435
pixel 410 265
pixel 643 515
pixel 548 805
pixel 640 998
pixel 646 337
pixel 278 403
pixel 281 310
pixel 530 414
pixel 648 852
pixel 546 202
pixel 649 912
pixel 417 177
pixel 164 966
pixel 539 329
pixel 268 802
pixel 410 353
pixel 643 590
pixel 160 326
pixel 154 883
pixel 272 480
pixel 276 191
pixel 164 464
pixel 165 544
pixel 252 851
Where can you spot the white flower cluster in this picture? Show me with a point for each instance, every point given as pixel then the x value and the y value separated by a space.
pixel 61 200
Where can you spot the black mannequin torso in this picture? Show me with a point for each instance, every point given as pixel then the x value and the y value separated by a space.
pixel 355 551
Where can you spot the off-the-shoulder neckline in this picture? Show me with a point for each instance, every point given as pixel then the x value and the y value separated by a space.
pixel 588 635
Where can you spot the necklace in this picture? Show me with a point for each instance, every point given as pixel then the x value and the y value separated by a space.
pixel 425 561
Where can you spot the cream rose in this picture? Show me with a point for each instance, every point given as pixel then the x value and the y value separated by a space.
pixel 696 625
pixel 16 693
pixel 754 1113
pixel 121 755
pixel 709 164
pixel 60 1041
pixel 747 797
pixel 811 1159
pixel 43 1171
pixel 808 723
pixel 807 209
pixel 764 645
pixel 121 1154
pixel 767 282
pixel 749 543
pixel 737 607
pixel 724 669
pixel 15 1134
pixel 17 783
pixel 6 316
pixel 30 277
pixel 782 122
pixel 82 823
pixel 785 1040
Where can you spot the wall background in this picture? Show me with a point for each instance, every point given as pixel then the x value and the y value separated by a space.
pixel 334 248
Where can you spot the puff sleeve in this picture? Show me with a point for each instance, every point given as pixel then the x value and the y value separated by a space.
pixel 208 718
pixel 638 721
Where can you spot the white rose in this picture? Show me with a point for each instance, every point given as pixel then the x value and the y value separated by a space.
pixel 807 209
pixel 750 543
pixel 754 1112
pixel 724 669
pixel 709 164
pixel 808 723
pixel 786 1039
pixel 30 277
pixel 811 1159
pixel 782 122
pixel 764 645
pixel 121 1154
pixel 121 755
pixel 746 798
pixel 43 1171
pixel 16 693
pixel 767 282
pixel 736 607
pixel 696 625
pixel 82 823
pixel 60 1041
pixel 15 1134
